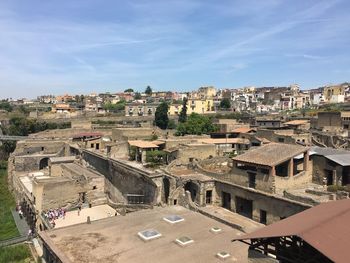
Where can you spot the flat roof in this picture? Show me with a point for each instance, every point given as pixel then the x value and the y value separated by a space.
pixel 116 239
pixel 296 122
pixel 95 213
pixel 271 154
pixel 80 170
pixel 62 159
pixel 325 227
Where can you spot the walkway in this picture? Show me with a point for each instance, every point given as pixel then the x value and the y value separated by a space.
pixel 22 227
pixel 230 218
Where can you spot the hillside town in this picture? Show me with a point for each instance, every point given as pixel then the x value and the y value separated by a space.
pixel 244 175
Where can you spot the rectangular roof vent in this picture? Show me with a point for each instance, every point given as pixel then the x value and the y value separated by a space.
pixel 149 234
pixel 183 241
pixel 223 255
pixel 173 219
pixel 215 229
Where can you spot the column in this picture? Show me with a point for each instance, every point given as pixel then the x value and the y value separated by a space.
pixel 273 171
pixel 306 160
pixel 290 167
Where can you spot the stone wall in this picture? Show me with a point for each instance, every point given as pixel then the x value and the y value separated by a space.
pixel 329 119
pixel 196 151
pixel 124 134
pixel 299 180
pixel 38 147
pixel 263 181
pixel 122 179
pixel 275 207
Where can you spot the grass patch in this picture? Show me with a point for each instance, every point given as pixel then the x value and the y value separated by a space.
pixel 8 227
pixel 16 254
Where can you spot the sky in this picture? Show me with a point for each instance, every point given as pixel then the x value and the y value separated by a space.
pixel 83 46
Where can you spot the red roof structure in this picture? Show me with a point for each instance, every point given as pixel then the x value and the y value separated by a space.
pixel 324 227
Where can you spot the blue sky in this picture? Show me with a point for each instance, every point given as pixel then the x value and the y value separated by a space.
pixel 81 46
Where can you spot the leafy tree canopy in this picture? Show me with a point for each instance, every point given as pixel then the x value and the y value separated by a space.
pixel 161 116
pixel 183 113
pixel 5 105
pixel 129 90
pixel 137 96
pixel 225 103
pixel 148 90
pixel 196 124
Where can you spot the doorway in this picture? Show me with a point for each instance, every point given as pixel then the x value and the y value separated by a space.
pixel 244 207
pixel 166 188
pixel 226 200
pixel 208 196
pixel 193 189
pixel 329 175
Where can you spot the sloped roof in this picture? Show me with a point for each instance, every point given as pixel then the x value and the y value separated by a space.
pixel 325 227
pixel 296 122
pixel 341 157
pixel 224 140
pixel 271 154
pixel 243 130
pixel 142 144
pixel 156 142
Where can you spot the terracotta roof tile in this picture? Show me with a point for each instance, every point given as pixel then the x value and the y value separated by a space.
pixel 271 154
pixel 325 227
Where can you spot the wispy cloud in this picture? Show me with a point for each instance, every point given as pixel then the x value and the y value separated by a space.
pixel 178 44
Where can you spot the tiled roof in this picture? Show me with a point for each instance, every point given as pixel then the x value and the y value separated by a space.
pixel 142 144
pixel 323 227
pixel 224 140
pixel 271 154
pixel 243 130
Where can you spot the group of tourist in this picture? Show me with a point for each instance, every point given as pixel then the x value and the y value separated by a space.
pixel 54 214
pixel 19 210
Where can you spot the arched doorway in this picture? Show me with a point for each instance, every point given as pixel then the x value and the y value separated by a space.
pixel 43 163
pixel 166 189
pixel 193 189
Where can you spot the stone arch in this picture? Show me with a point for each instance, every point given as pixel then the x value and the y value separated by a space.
pixel 193 188
pixel 43 163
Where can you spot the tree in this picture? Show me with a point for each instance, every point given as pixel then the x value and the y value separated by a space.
pixel 148 91
pixel 171 124
pixel 196 124
pixel 129 90
pixel 225 103
pixel 119 106
pixel 5 105
pixel 161 116
pixel 183 113
pixel 137 96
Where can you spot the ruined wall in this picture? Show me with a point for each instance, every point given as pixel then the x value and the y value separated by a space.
pixel 120 150
pixel 321 166
pixel 275 207
pixel 196 151
pixel 291 182
pixel 122 134
pixel 263 181
pixel 329 119
pixel 122 179
pixel 59 194
pixel 38 147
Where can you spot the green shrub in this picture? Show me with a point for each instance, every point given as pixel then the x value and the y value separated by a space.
pixel 335 188
pixel 156 157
